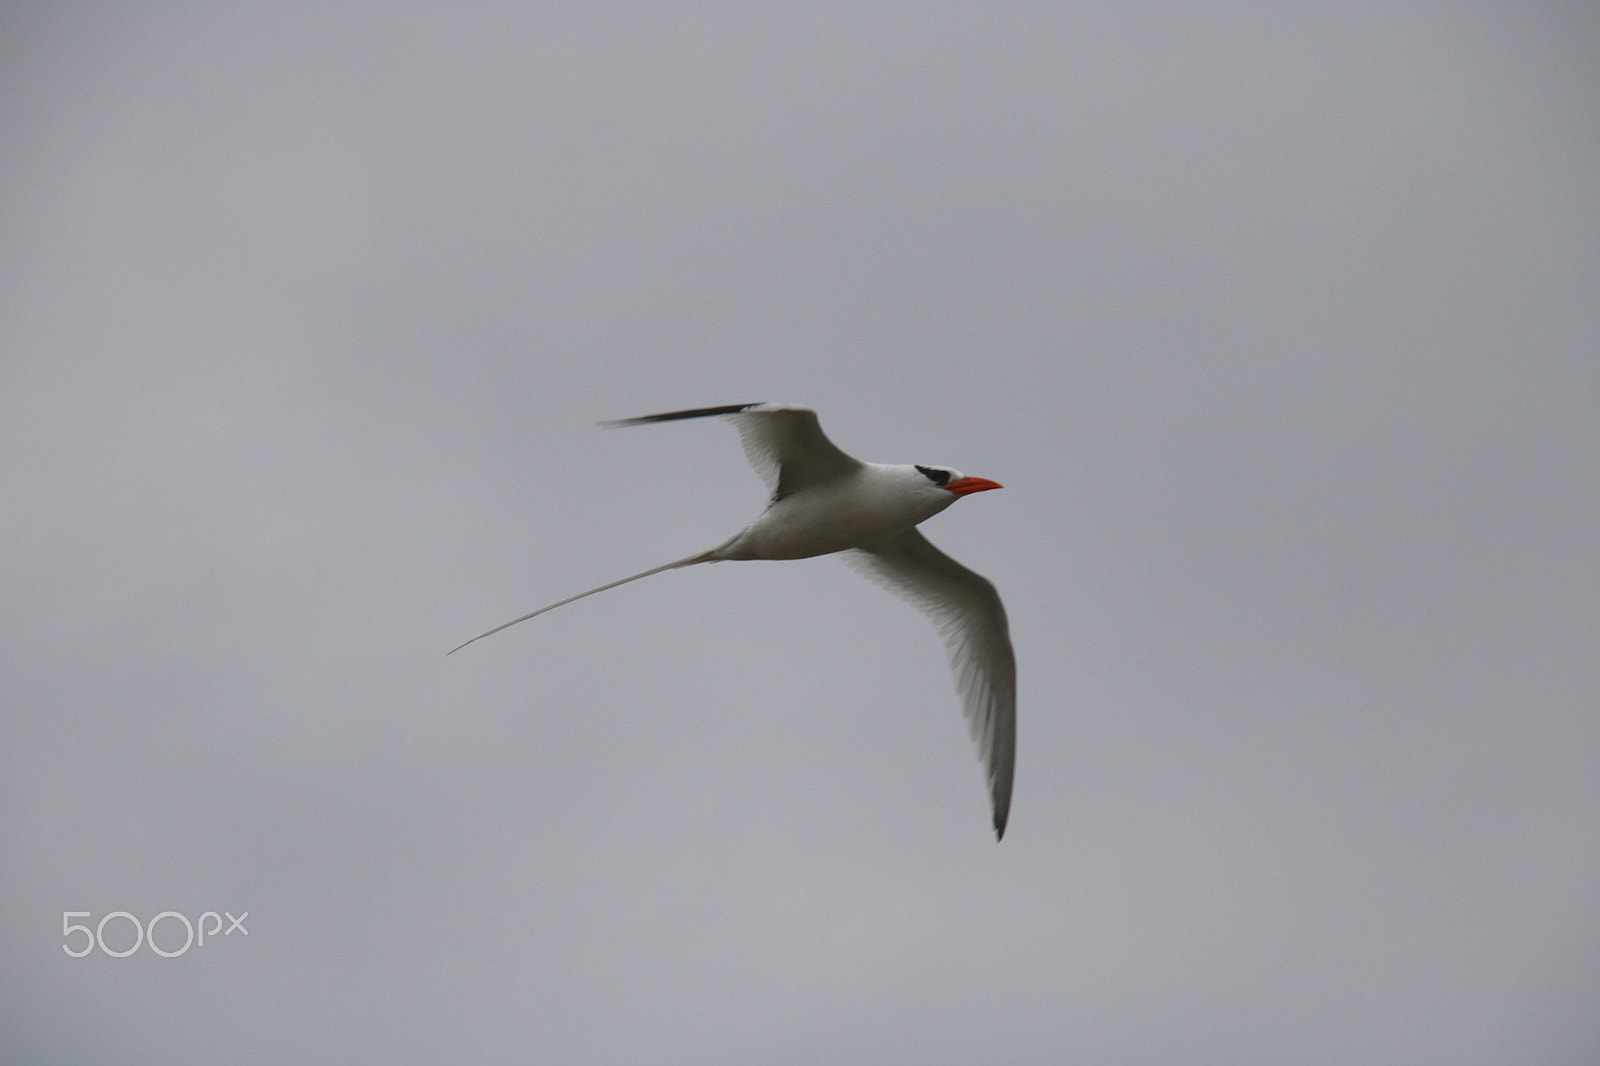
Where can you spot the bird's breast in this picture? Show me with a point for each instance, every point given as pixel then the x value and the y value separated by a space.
pixel 828 518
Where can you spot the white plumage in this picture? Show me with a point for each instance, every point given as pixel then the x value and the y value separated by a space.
pixel 823 501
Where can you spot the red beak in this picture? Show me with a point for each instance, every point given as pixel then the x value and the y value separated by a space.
pixel 967 485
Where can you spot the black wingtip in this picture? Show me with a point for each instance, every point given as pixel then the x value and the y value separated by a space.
pixel 672 416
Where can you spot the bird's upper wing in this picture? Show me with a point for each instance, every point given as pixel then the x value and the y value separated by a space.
pixel 783 441
pixel 969 615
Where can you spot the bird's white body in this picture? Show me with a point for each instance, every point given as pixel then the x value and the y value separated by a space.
pixel 825 502
pixel 863 507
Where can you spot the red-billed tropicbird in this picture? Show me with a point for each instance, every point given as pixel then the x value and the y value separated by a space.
pixel 823 502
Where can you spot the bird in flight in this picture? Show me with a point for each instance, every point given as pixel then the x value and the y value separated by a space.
pixel 825 502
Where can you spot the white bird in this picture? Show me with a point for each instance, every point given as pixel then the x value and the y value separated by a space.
pixel 823 502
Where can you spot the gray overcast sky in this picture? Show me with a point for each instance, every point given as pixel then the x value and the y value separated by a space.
pixel 1278 321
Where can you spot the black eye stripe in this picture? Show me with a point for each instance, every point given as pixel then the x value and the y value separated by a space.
pixel 938 477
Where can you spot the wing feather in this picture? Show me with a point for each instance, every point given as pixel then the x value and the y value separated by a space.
pixel 784 443
pixel 967 611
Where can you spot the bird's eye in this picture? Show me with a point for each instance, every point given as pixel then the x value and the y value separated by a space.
pixel 938 477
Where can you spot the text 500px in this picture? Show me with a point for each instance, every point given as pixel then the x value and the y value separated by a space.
pixel 146 934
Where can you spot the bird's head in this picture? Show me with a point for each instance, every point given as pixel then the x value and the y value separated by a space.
pixel 954 481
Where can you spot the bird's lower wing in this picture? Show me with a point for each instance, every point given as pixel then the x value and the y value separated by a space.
pixel 970 617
